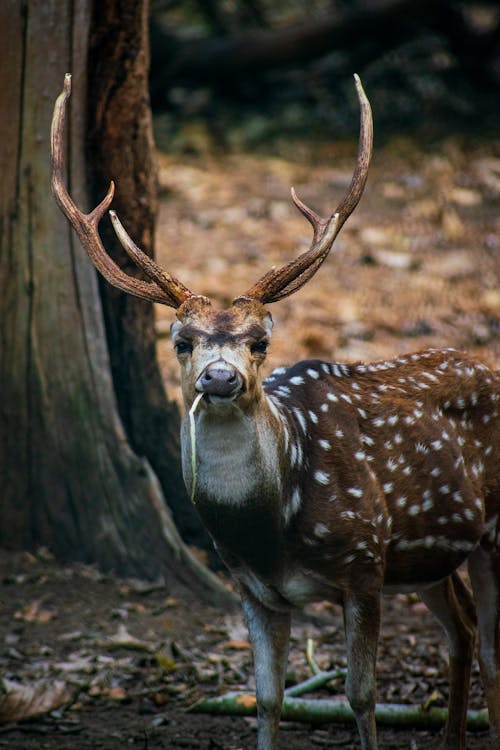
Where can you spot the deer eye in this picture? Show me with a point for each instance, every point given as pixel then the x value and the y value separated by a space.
pixel 260 347
pixel 183 347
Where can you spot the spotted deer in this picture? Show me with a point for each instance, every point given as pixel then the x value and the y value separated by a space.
pixel 327 480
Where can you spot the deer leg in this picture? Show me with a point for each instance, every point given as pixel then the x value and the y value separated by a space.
pixel 484 569
pixel 362 624
pixel 452 605
pixel 269 633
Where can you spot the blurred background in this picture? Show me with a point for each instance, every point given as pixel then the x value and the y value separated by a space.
pixel 254 69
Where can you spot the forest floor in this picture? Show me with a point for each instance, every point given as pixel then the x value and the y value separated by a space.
pixel 122 661
pixel 417 265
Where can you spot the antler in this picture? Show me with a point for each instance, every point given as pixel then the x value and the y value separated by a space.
pixel 162 287
pixel 281 282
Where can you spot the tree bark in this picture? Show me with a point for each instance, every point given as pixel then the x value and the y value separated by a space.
pixel 120 147
pixel 68 476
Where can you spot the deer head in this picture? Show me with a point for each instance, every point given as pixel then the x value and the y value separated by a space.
pixel 220 351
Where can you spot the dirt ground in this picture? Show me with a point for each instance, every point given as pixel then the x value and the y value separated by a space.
pixel 417 265
pixel 133 658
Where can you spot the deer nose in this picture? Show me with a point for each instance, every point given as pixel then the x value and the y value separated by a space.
pixel 220 381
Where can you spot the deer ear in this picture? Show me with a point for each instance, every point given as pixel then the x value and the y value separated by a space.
pixel 175 328
pixel 268 323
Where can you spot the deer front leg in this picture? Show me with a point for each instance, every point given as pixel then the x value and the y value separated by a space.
pixel 362 623
pixel 269 633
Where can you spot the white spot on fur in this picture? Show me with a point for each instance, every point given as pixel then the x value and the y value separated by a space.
pixel 392 465
pixel 300 419
pixel 348 514
pixel 293 505
pixel 321 530
pixel 322 477
pixel 313 373
pixel 355 492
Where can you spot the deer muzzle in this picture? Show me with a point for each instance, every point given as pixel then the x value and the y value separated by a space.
pixel 220 381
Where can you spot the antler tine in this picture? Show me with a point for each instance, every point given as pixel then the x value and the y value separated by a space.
pixel 86 226
pixel 174 288
pixel 279 283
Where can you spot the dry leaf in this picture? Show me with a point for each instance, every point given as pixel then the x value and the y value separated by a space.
pixel 117 693
pixel 394 259
pixel 123 639
pixel 235 645
pixel 20 701
pixel 452 224
pixel 76 663
pixel 160 699
pixel 465 197
pixel 33 612
pixel 165 662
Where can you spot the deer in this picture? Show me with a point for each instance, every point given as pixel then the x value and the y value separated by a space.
pixel 328 480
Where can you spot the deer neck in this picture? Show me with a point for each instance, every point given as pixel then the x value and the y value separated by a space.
pixel 237 455
pixel 238 485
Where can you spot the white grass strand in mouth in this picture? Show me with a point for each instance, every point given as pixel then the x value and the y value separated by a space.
pixel 192 435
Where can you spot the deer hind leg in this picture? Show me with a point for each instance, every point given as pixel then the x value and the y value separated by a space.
pixel 362 623
pixel 484 569
pixel 452 605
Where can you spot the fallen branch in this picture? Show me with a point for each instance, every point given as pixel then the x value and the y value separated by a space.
pixel 311 660
pixel 322 711
pixel 315 682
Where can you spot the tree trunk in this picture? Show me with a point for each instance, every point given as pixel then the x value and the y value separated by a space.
pixel 68 476
pixel 120 147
